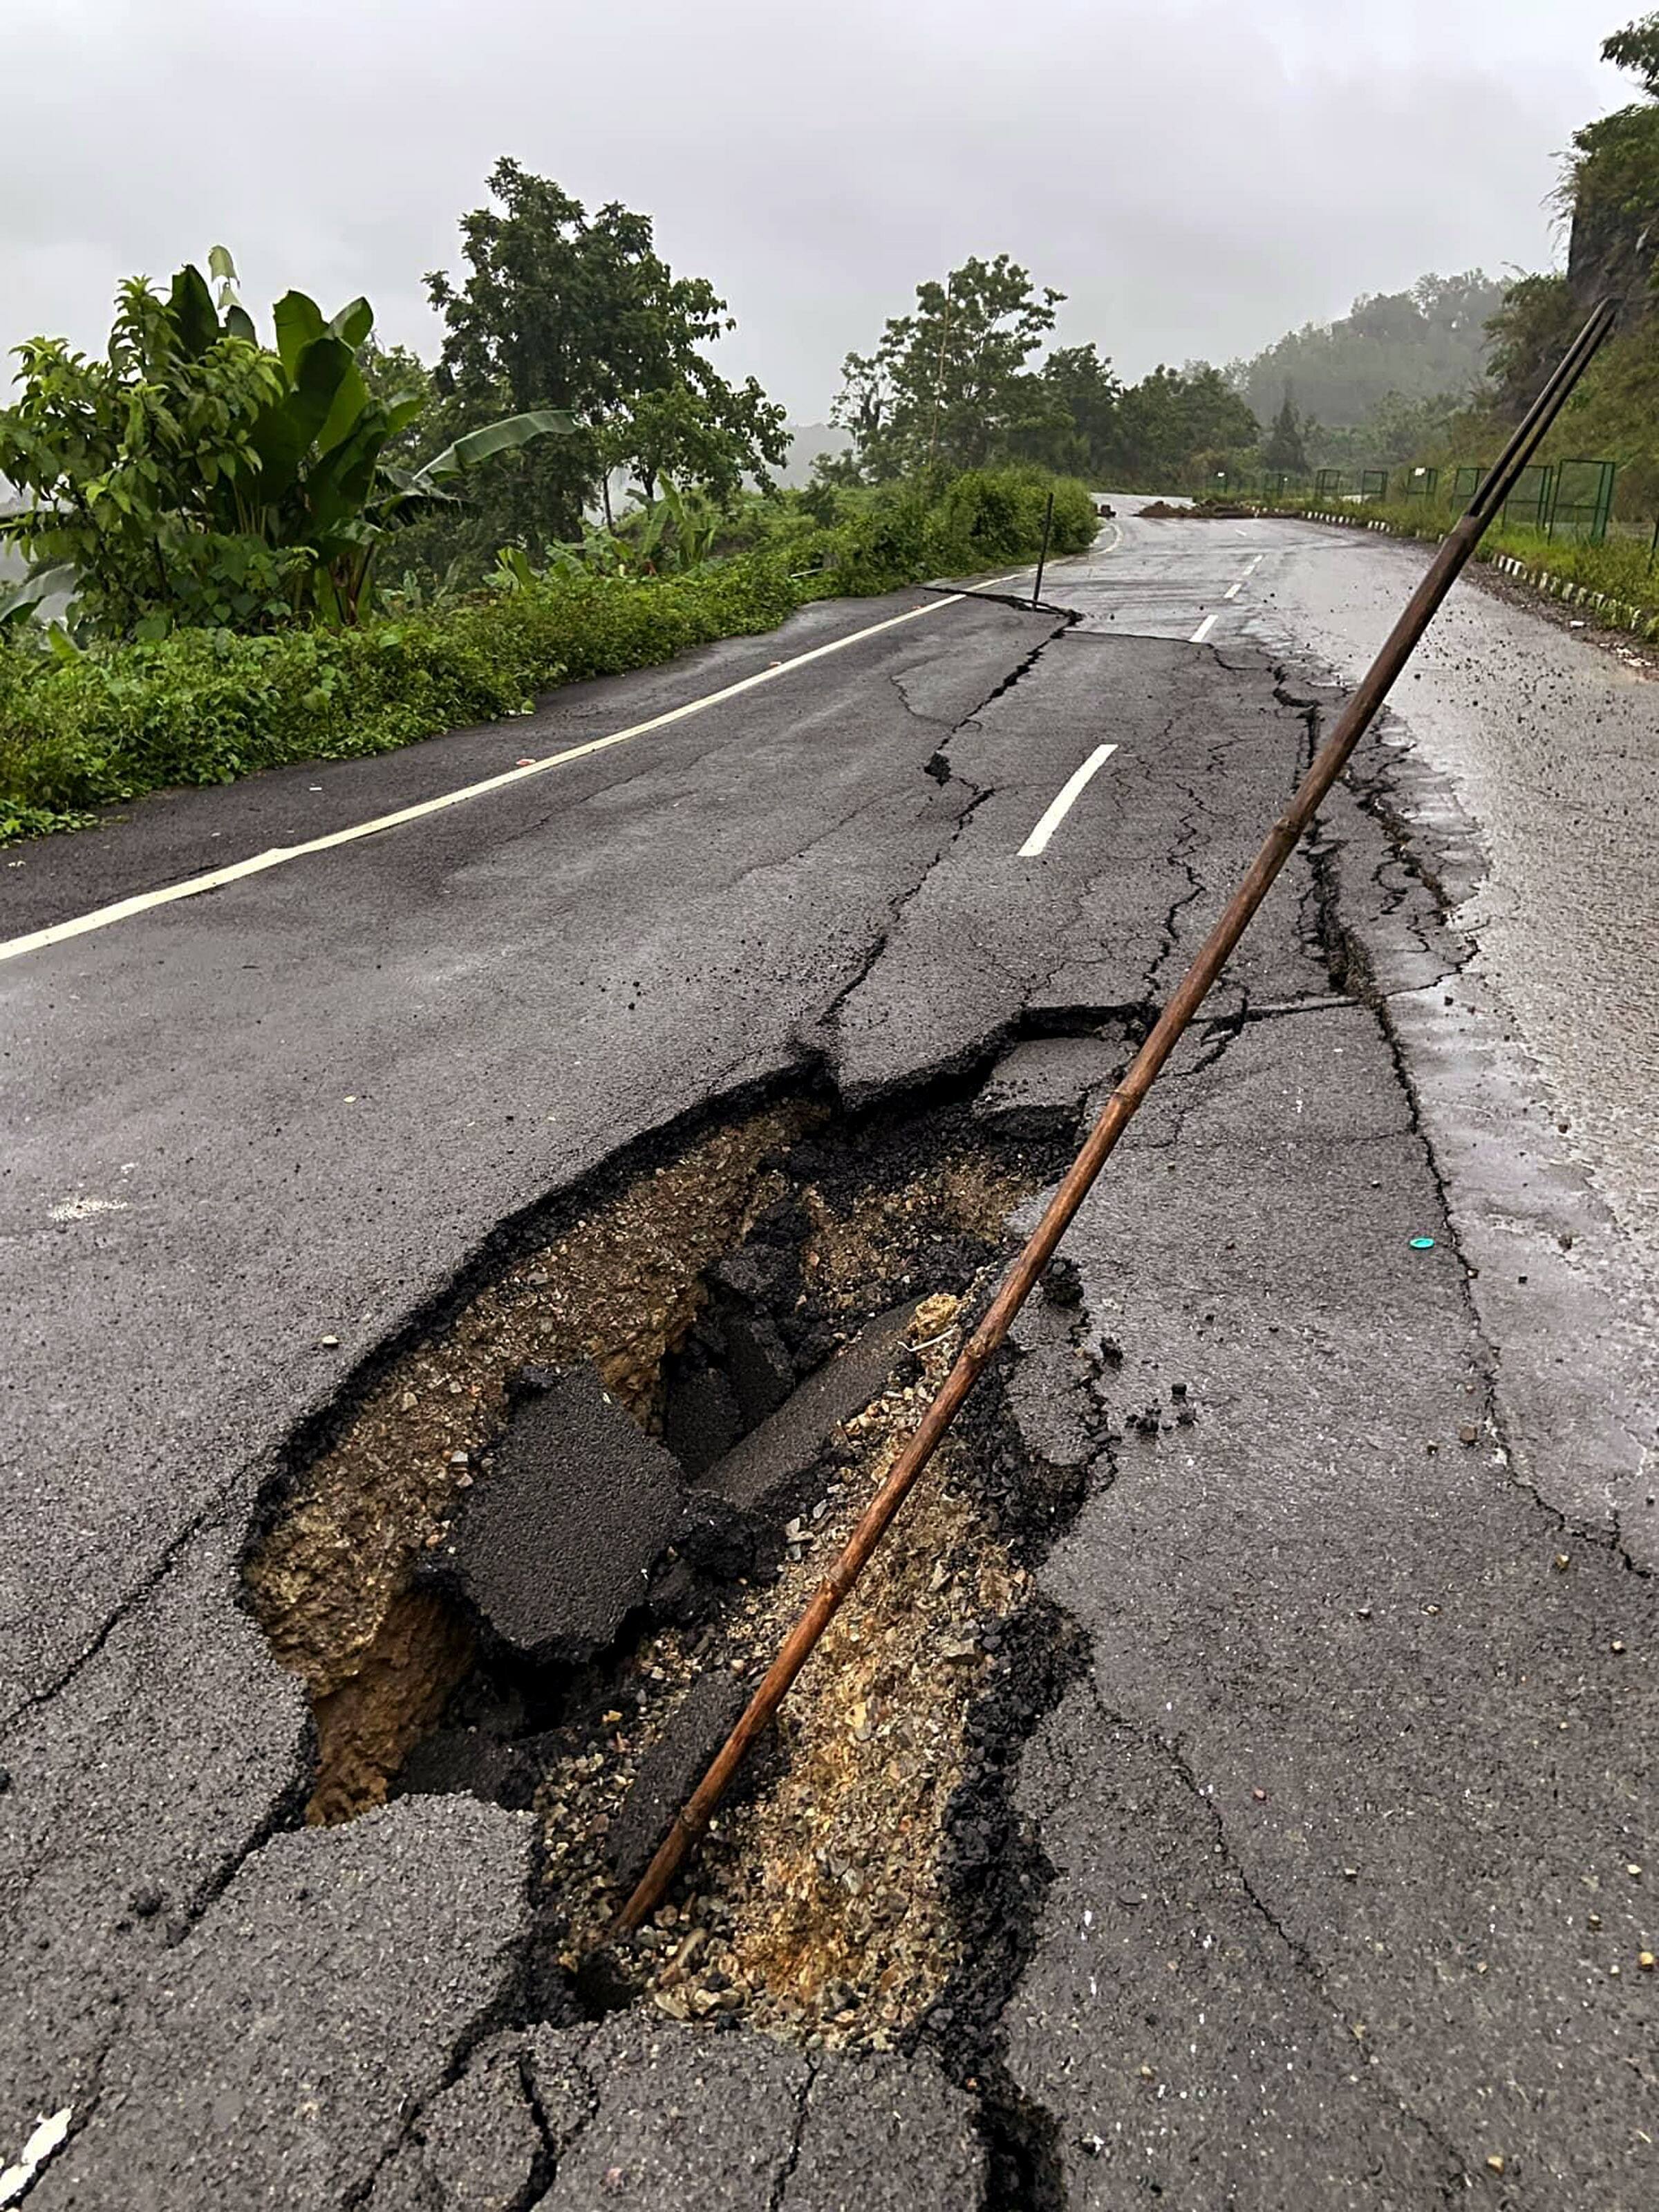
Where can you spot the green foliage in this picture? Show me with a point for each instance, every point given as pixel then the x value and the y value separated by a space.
pixel 854 540
pixel 206 706
pixel 988 516
pixel 950 386
pixel 195 476
pixel 578 312
pixel 1171 418
pixel 1529 332
pixel 947 384
pixel 1416 344
pixel 1610 191
pixel 394 373
pixel 81 729
pixel 1076 431
pixel 1397 430
pixel 1636 48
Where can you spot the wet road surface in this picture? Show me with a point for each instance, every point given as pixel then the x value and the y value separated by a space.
pixel 1341 1817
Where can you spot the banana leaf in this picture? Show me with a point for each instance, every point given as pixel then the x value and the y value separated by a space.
pixel 506 437
pixel 40 585
pixel 298 323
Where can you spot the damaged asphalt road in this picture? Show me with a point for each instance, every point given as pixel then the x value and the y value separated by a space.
pixel 1325 1848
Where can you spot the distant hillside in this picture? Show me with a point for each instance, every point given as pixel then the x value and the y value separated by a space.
pixel 1425 343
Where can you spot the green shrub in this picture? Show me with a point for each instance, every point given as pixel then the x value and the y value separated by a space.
pixel 80 730
pixel 853 541
pixel 207 706
pixel 992 515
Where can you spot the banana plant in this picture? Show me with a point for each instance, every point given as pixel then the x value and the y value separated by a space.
pixel 696 525
pixel 198 476
pixel 322 481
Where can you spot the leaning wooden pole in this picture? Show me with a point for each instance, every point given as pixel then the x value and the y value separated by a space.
pixel 1327 764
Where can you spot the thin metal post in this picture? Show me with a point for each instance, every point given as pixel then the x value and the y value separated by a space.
pixel 1194 986
pixel 1043 557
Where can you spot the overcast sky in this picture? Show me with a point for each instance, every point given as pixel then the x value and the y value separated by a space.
pixel 1196 175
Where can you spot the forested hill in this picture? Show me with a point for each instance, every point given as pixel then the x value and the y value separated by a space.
pixel 1427 343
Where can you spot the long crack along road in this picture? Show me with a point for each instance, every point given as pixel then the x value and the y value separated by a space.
pixel 1238 1791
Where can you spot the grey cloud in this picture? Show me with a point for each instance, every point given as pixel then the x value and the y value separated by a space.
pixel 1196 177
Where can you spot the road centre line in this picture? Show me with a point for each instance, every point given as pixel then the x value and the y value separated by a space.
pixel 1063 801
pixel 142 901
pixel 1233 590
pixel 1197 638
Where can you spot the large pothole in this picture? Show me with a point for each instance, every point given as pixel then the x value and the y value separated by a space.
pixel 764 1314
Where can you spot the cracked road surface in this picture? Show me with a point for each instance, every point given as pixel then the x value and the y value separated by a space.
pixel 1337 1824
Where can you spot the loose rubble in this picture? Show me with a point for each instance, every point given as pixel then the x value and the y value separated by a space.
pixel 619 1502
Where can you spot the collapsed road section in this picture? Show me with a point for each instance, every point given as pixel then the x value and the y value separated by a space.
pixel 1207 1622
pixel 541 1558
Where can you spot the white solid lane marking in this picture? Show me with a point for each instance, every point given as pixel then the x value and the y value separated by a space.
pixel 1063 802
pixel 1197 638
pixel 215 879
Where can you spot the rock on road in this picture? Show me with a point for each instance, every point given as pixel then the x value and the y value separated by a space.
pixel 1349 1820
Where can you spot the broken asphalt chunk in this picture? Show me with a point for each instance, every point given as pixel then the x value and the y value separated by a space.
pixel 670 1769
pixel 556 1547
pixel 761 1476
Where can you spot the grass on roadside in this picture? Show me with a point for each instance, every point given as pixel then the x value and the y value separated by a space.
pixel 81 730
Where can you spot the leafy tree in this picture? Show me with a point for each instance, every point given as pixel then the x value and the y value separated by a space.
pixel 1528 334
pixel 709 434
pixel 195 475
pixel 1172 416
pixel 564 310
pixel 948 383
pixel 395 373
pixel 1078 432
pixel 1285 448
pixel 1636 48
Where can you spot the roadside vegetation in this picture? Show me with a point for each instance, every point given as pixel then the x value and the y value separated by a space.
pixel 81 727
pixel 245 551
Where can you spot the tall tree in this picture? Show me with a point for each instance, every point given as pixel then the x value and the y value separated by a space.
pixel 948 382
pixel 1285 448
pixel 1078 434
pixel 563 309
pixel 1172 416
pixel 1528 334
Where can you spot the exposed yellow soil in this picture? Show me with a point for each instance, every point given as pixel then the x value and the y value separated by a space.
pixel 621 1288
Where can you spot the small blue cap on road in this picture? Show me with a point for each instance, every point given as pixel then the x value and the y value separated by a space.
pixel 1422 1243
